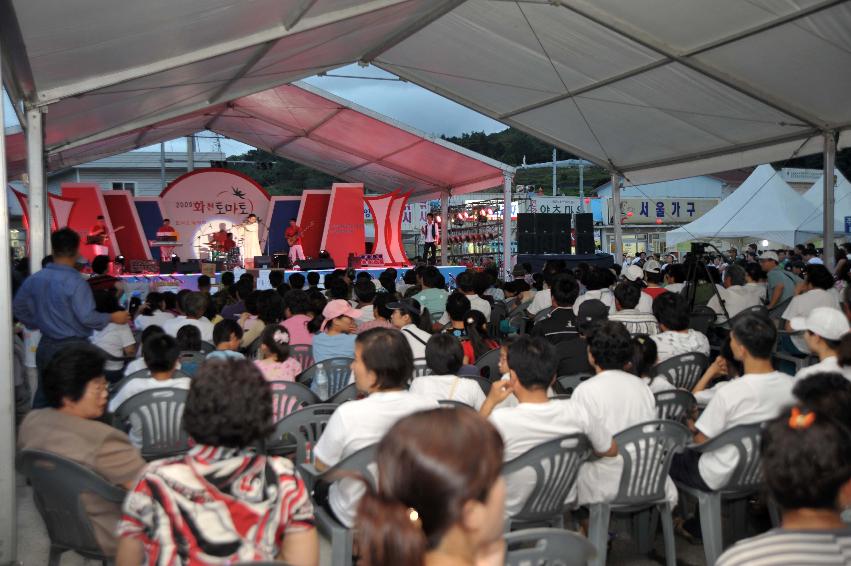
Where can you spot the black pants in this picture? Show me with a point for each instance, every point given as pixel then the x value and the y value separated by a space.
pixel 430 246
pixel 684 469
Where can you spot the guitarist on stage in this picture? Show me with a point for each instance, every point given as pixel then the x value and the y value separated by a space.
pixel 293 235
pixel 100 235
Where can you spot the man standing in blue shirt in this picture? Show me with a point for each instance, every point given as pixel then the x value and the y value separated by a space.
pixel 59 303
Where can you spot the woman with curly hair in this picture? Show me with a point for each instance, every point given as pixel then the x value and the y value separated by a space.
pixel 222 502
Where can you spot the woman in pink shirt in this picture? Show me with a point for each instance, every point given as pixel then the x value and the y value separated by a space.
pixel 297 309
pixel 276 363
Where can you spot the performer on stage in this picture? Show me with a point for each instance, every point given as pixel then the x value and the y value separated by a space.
pixel 218 239
pixel 431 231
pixel 293 235
pixel 100 235
pixel 229 243
pixel 251 238
pixel 166 232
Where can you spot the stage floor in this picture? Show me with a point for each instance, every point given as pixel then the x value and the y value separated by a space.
pixel 143 283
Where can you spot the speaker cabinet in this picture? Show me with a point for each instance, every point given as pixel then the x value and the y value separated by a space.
pixel 262 261
pixel 543 233
pixel 585 234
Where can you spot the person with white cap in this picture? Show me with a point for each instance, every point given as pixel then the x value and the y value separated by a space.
pixel 817 291
pixel 781 283
pixel 635 275
pixel 336 338
pixel 823 329
pixel 653 278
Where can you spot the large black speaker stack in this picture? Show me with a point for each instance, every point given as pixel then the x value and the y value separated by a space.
pixel 543 233
pixel 585 234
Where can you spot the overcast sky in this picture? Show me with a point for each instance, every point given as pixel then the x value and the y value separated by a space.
pixel 406 102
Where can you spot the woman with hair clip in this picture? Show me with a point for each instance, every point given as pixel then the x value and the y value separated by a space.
pixel 275 363
pixel 806 460
pixel 644 360
pixel 440 495
pixel 478 341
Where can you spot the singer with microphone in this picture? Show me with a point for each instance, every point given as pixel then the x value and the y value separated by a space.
pixel 251 238
pixel 431 232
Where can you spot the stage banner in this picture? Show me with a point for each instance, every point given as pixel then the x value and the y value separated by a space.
pixel 199 201
pixel 378 207
pixel 88 204
pixel 122 212
pixel 311 218
pixel 344 226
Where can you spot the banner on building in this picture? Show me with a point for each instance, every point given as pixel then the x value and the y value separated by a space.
pixel 668 210
pixel 565 205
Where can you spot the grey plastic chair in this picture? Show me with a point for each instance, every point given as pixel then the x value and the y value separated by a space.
pixel 675 405
pixel 421 368
pixel 499 312
pixel 566 384
pixel 484 383
pixel 338 371
pixel 341 537
pixel 517 317
pixel 190 362
pixel 300 431
pixel 488 364
pixel 450 404
pixel 647 450
pixel 57 485
pixel 542 314
pixel 701 319
pixel 547 547
pixel 348 393
pixel 556 464
pixel 303 353
pixel 206 347
pixel 746 480
pixel 159 413
pixel 253 348
pixel 288 396
pixel 683 371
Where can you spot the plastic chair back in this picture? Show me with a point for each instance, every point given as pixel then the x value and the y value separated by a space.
pixel 303 353
pixel 253 348
pixel 498 313
pixel 556 464
pixel 484 383
pixel 701 319
pixel 347 393
pixel 338 371
pixel 550 547
pixel 206 347
pixel 190 362
pixel 160 415
pixel 450 404
pixel 141 374
pixel 566 384
pixel 647 450
pixel 542 314
pixel 288 397
pixel 302 427
pixel 683 371
pixel 747 475
pixel 488 364
pixel 674 405
pixel 57 485
pixel 421 368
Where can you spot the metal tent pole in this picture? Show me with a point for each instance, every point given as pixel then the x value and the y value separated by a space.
pixel 8 499
pixel 554 171
pixel 829 198
pixel 190 153
pixel 162 166
pixel 444 228
pixel 616 217
pixel 37 197
pixel 582 183
pixel 507 178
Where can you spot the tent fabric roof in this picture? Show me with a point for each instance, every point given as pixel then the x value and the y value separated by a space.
pixel 814 222
pixel 305 124
pixel 653 89
pixel 763 207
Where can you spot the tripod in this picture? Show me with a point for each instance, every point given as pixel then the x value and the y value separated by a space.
pixel 697 270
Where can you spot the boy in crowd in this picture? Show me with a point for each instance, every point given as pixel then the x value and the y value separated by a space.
pixel 161 353
pixel 676 338
pixel 467 282
pixel 227 335
pixel 627 296
pixel 536 419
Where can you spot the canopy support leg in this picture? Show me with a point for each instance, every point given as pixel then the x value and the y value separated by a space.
pixel 829 198
pixel 37 196
pixel 508 179
pixel 444 227
pixel 616 218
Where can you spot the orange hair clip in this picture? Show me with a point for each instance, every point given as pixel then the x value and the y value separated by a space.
pixel 800 421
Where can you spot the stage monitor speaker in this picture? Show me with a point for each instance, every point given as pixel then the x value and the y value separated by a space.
pixel 262 261
pixel 167 267
pixel 527 239
pixel 585 234
pixel 189 267
pixel 315 264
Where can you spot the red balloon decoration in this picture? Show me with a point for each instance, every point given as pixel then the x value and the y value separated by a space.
pixel 658 221
pixel 629 214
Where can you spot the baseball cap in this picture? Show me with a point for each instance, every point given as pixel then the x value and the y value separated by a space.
pixel 410 306
pixel 769 255
pixel 652 266
pixel 634 273
pixel 827 322
pixel 338 307
pixel 590 311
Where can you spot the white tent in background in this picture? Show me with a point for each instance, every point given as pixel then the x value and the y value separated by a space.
pixel 814 222
pixel 764 207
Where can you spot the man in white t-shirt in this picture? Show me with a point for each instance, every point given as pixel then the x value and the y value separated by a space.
pixel 615 400
pixel 444 357
pixel 195 304
pixel 676 338
pixel 823 328
pixel 382 367
pixel 155 312
pixel 817 291
pixel 635 275
pixel 466 283
pixel 537 419
pixel 161 354
pixel 759 395
pixel 738 294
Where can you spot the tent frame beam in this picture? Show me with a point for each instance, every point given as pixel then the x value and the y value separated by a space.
pixel 261 52
pixel 744 34
pixel 50 96
pixel 295 15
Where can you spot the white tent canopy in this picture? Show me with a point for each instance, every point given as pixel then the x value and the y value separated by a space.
pixel 814 222
pixel 764 207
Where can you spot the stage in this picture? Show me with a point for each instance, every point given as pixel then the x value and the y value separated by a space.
pixel 140 285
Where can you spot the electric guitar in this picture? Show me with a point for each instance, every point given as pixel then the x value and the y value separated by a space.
pixel 99 239
pixel 293 240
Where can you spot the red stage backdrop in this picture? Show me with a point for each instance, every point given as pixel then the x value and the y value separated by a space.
pixel 88 205
pixel 344 229
pixel 198 201
pixel 311 218
pixel 122 212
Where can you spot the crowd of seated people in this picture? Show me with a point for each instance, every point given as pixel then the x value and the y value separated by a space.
pixel 607 330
